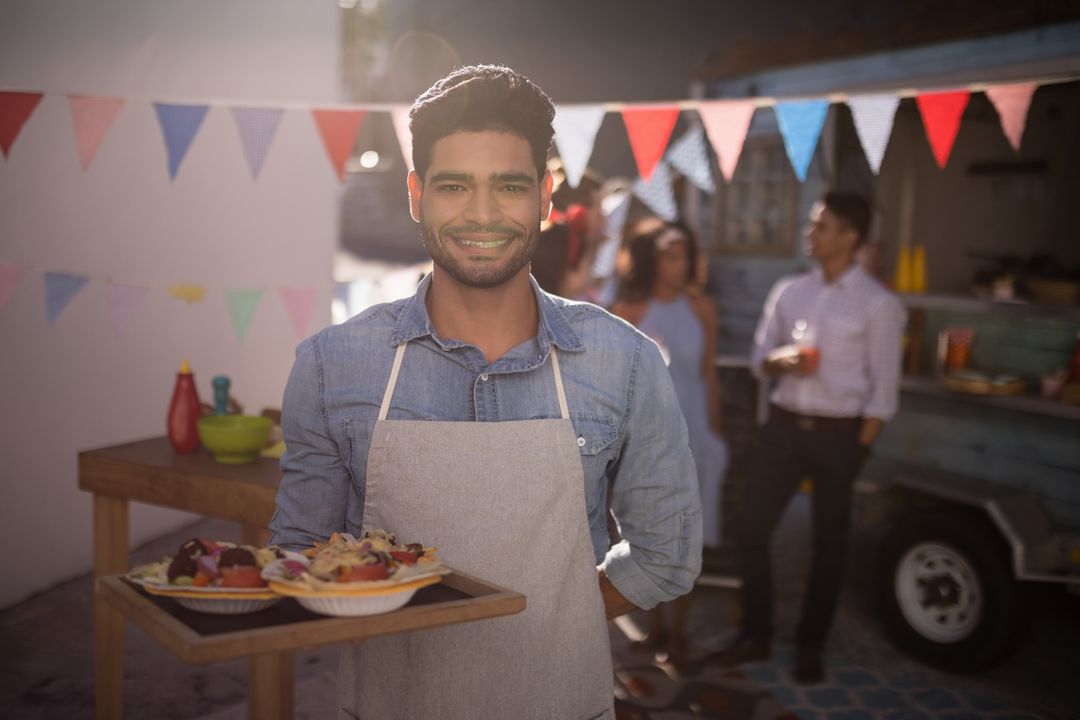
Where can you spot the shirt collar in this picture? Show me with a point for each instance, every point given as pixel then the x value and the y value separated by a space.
pixel 850 276
pixel 414 322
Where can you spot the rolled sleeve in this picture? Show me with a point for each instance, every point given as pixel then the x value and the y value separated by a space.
pixel 883 347
pixel 313 494
pixel 655 495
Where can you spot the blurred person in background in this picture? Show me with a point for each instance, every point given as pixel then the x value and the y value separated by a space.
pixel 660 296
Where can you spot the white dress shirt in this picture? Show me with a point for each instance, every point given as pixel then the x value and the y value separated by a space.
pixel 857 324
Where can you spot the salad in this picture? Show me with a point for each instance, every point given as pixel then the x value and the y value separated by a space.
pixel 210 564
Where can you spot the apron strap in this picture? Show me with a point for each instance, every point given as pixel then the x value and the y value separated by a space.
pixel 392 382
pixel 564 410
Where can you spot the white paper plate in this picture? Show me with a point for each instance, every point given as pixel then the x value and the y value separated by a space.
pixel 225 606
pixel 357 605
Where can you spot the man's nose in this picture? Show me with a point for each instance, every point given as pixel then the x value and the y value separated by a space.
pixel 483 208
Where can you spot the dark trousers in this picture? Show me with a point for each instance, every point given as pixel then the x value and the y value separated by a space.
pixel 789 448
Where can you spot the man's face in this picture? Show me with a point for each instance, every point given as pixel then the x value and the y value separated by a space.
pixel 480 206
pixel 827 236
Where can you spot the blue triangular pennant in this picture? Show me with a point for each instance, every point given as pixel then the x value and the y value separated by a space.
pixel 800 124
pixel 179 124
pixel 257 127
pixel 60 288
pixel 656 193
pixel 689 156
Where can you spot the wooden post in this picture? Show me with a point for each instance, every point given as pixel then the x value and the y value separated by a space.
pixel 270 686
pixel 110 557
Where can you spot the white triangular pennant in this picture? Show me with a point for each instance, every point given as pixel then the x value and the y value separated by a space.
pixel 873 116
pixel 575 133
pixel 257 127
pixel 656 193
pixel 689 156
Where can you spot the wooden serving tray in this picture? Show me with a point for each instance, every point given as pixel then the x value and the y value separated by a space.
pixel 203 638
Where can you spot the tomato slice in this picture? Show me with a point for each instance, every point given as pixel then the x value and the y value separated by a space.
pixel 406 557
pixel 363 572
pixel 241 576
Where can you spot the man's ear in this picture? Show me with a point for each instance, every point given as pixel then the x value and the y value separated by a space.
pixel 416 190
pixel 546 183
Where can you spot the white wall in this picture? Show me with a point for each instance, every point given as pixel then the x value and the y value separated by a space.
pixel 77 385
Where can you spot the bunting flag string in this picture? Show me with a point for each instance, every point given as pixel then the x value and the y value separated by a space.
pixel 15 109
pixel 91 118
pixel 179 125
pixel 874 116
pixel 726 123
pixel 649 129
pixel 800 125
pixel 575 135
pixel 257 127
pixel 124 300
pixel 1012 103
pixel 941 113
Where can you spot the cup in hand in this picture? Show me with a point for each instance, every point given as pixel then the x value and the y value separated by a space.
pixel 805 338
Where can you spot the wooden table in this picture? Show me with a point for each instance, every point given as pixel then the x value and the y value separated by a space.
pixel 149 471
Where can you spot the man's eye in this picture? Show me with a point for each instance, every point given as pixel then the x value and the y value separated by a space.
pixel 451 188
pixel 514 188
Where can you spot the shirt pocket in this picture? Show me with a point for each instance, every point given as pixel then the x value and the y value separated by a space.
pixel 596 437
pixel 358 432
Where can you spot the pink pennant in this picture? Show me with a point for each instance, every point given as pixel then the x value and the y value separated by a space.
pixel 338 129
pixel 649 129
pixel 1012 103
pixel 15 110
pixel 91 118
pixel 399 116
pixel 299 304
pixel 726 123
pixel 941 113
pixel 123 300
pixel 10 275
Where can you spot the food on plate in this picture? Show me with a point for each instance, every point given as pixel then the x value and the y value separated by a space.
pixel 345 562
pixel 209 564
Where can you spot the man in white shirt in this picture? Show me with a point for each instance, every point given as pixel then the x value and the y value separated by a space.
pixel 831 340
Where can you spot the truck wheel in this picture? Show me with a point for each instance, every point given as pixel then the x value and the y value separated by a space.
pixel 947 593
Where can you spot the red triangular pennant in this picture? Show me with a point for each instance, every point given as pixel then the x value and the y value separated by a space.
pixel 15 110
pixel 649 129
pixel 941 113
pixel 338 129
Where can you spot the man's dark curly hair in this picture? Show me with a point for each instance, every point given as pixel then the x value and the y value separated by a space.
pixel 478 98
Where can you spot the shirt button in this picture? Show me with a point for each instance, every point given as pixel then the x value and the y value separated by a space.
pixel 581 442
pixel 483 378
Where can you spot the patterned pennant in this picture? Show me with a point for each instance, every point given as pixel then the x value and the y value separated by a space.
pixel 123 301
pixel 874 115
pixel 338 130
pixel 257 127
pixel 800 125
pixel 60 289
pixel 726 123
pixel 941 113
pixel 399 116
pixel 299 304
pixel 10 275
pixel 615 207
pixel 649 129
pixel 179 125
pixel 1012 103
pixel 91 118
pixel 575 134
pixel 242 304
pixel 188 293
pixel 689 156
pixel 15 109
pixel 657 194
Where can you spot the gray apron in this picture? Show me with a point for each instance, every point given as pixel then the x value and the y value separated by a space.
pixel 504 501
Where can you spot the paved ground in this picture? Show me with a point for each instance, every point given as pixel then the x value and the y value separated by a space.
pixel 46 670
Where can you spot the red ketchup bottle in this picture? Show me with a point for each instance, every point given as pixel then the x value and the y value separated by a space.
pixel 184 412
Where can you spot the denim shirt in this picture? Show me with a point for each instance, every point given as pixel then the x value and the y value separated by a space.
pixel 631 432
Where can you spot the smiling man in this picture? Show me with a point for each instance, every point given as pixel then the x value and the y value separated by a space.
pixel 490 419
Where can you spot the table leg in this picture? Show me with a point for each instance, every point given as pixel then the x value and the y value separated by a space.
pixel 270 686
pixel 254 535
pixel 110 557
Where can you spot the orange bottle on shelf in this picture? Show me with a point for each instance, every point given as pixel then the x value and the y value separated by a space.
pixel 902 279
pixel 184 412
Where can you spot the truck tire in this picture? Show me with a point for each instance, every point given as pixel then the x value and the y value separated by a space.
pixel 946 591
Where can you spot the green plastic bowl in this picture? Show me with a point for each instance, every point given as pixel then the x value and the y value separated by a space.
pixel 234 439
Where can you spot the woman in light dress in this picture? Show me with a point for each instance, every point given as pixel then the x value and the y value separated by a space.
pixel 658 296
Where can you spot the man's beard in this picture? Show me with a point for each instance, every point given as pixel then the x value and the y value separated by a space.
pixel 475 271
